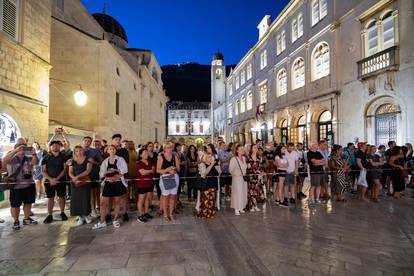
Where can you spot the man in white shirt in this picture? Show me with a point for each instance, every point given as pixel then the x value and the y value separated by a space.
pixel 291 172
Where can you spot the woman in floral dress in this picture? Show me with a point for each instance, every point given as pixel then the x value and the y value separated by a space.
pixel 255 172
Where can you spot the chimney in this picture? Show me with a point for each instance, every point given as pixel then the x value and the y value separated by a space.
pixel 264 25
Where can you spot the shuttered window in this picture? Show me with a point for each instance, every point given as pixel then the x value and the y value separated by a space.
pixel 9 17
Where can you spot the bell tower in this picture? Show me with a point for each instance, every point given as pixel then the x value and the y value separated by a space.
pixel 218 78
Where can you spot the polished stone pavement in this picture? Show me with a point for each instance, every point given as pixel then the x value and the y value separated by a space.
pixel 352 238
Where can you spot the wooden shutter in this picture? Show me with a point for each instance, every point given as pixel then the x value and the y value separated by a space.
pixel 9 17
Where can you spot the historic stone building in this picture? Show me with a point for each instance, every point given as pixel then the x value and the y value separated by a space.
pixel 123 85
pixel 24 70
pixel 189 122
pixel 341 70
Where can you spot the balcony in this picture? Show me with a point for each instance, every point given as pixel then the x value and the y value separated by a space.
pixel 386 60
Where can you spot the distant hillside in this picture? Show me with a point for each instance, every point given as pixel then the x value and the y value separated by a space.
pixel 188 82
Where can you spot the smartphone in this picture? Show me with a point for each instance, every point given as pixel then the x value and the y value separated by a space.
pixel 28 151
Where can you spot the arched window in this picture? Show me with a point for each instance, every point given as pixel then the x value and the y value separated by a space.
pixel 372 38
pixel 386 123
pixel 298 73
pixel 9 132
pixel 236 108
pixel 284 132
pixel 325 126
pixel 243 104
pixel 281 82
pixel 388 30
pixel 320 62
pixel 301 130
pixel 249 102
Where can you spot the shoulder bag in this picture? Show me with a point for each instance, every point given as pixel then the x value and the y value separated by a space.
pixel 10 181
pixel 245 177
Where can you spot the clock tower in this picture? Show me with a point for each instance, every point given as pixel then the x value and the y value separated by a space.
pixel 218 78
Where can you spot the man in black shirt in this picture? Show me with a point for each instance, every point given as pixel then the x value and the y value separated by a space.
pixel 362 163
pixel 53 169
pixel 316 164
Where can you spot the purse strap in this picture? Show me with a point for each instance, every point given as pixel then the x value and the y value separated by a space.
pixel 237 159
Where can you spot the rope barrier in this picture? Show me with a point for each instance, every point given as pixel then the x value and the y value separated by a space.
pixel 32 182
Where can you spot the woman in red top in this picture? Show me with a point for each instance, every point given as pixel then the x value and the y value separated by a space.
pixel 145 185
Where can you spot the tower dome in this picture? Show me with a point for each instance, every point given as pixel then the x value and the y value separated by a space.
pixel 218 56
pixel 111 25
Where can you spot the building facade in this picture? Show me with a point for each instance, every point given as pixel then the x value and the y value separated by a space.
pixel 24 70
pixel 189 122
pixel 326 69
pixel 123 85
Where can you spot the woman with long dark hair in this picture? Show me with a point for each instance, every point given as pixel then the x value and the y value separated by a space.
pixel 208 196
pixel 374 176
pixel 192 163
pixel 339 166
pixel 281 163
pixel 112 171
pixel 255 172
pixel 145 185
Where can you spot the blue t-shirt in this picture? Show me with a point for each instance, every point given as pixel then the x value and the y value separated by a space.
pixel 95 155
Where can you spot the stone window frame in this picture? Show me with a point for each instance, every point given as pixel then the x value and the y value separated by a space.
pixel 377 23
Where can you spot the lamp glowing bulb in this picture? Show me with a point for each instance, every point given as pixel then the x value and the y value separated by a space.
pixel 80 97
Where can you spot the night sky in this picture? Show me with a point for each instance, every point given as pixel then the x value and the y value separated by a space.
pixel 190 30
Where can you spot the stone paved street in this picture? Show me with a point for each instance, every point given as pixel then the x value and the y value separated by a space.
pixel 353 238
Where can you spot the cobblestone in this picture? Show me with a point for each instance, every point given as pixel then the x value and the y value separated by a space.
pixel 337 239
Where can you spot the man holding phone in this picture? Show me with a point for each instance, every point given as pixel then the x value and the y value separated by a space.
pixel 20 165
pixel 53 169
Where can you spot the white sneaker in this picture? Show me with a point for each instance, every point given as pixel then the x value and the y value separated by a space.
pixel 257 209
pixel 116 224
pixel 81 221
pixel 94 214
pixel 252 210
pixel 242 211
pixel 237 212
pixel 99 226
pixel 88 219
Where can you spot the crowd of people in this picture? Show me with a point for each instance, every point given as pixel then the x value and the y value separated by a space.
pixel 104 181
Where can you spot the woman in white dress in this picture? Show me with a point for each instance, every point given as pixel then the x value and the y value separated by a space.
pixel 237 168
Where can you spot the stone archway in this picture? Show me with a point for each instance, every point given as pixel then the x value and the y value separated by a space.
pixel 384 121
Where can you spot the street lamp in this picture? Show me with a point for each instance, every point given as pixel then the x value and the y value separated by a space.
pixel 80 97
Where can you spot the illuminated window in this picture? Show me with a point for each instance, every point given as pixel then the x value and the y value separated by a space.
pixel 230 111
pixel 263 59
pixel 249 71
pixel 281 42
pixel 236 108
pixel 243 104
pixel 320 61
pixel 298 73
pixel 282 82
pixel 249 102
pixel 319 10
pixel 242 77
pixel 263 93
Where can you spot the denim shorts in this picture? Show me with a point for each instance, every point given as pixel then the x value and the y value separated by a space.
pixel 290 179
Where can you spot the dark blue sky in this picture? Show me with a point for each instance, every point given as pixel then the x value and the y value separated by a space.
pixel 190 30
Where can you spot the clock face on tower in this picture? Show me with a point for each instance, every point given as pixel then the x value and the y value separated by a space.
pixel 219 72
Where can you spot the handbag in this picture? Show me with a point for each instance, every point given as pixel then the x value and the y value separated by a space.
pixel 83 181
pixel 362 179
pixel 9 181
pixel 169 181
pixel 245 177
